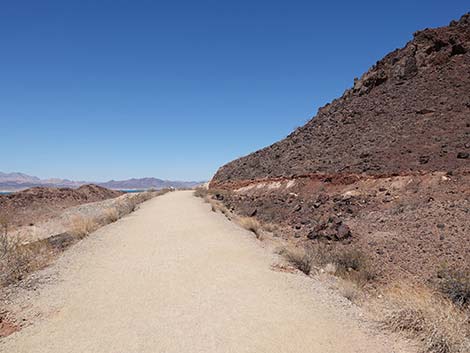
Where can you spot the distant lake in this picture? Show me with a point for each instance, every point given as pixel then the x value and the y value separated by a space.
pixel 132 191
pixel 6 192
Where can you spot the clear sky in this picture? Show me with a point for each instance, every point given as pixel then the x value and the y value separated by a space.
pixel 103 89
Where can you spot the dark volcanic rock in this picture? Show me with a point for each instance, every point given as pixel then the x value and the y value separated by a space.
pixel 409 112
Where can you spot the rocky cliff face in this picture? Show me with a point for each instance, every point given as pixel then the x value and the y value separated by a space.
pixel 409 113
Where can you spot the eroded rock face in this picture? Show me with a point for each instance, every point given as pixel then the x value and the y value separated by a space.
pixel 409 112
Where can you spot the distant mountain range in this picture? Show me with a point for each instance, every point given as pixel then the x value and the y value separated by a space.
pixel 20 181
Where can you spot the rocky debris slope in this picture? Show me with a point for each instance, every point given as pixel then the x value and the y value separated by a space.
pixel 409 112
pixel 404 225
pixel 40 203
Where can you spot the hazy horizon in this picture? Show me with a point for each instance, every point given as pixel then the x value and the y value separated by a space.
pixel 99 181
pixel 119 90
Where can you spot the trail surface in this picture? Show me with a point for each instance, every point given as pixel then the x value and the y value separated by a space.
pixel 175 277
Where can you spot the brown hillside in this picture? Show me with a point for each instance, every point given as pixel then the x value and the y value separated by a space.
pixel 385 169
pixel 38 203
pixel 410 112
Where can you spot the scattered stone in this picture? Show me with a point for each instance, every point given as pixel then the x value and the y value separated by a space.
pixel 423 159
pixel 343 232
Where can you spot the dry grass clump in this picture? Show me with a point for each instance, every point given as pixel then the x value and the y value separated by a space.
pixel 16 259
pixel 349 264
pixel 111 215
pixel 251 224
pixel 302 258
pixel 455 285
pixel 201 192
pixel 81 226
pixel 441 326
pixel 353 265
pixel 270 227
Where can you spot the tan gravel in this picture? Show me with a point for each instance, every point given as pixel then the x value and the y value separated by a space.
pixel 176 277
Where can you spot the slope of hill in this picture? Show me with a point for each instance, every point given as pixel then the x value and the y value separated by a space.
pixel 38 203
pixel 384 169
pixel 410 112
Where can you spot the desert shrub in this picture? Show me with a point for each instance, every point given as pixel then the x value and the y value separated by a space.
pixel 111 215
pixel 200 192
pixel 251 224
pixel 353 265
pixel 17 259
pixel 81 226
pixel 309 255
pixel 455 285
pixel 300 258
pixel 349 259
pixel 435 321
pixel 270 227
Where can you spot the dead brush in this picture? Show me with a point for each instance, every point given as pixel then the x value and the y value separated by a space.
pixel 251 224
pixel 270 227
pixel 435 321
pixel 111 215
pixel 455 285
pixel 17 259
pixel 352 265
pixel 81 226
pixel 200 192
pixel 300 258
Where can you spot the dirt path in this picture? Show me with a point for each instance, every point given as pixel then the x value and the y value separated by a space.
pixel 175 277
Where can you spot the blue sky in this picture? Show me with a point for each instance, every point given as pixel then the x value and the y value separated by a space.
pixel 94 90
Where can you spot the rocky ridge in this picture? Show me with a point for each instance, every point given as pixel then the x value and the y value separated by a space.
pixel 410 112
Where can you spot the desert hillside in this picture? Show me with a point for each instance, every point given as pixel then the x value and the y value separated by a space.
pixel 410 112
pixel 383 170
pixel 40 203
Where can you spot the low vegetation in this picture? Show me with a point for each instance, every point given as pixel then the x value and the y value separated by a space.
pixel 251 224
pixel 300 258
pixel 18 259
pixel 455 285
pixel 438 317
pixel 112 215
pixel 81 226
pixel 349 264
pixel 437 322
pixel 215 198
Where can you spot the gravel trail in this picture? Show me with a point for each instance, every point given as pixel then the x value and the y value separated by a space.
pixel 174 277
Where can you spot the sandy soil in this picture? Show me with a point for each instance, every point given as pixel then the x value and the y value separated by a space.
pixel 175 277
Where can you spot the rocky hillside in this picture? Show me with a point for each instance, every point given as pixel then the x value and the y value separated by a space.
pixel 383 170
pixel 410 112
pixel 38 203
